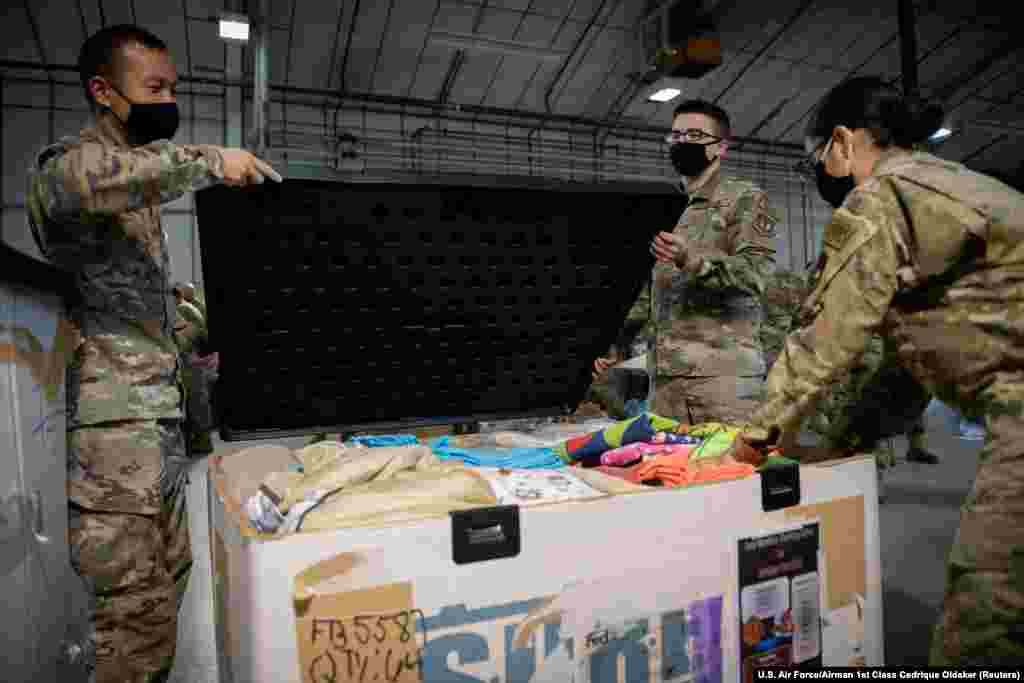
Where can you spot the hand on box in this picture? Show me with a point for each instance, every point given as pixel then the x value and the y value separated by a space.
pixel 601 366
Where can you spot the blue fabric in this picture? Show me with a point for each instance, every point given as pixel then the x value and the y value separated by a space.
pixel 385 441
pixel 635 407
pixel 971 431
pixel 510 458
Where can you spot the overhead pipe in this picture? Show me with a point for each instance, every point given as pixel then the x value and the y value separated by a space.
pixel 471 41
pixel 497 154
pixel 500 159
pixel 478 111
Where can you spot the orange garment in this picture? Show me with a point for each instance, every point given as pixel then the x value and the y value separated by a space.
pixel 676 470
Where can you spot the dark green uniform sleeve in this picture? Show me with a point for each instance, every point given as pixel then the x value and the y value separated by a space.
pixel 751 260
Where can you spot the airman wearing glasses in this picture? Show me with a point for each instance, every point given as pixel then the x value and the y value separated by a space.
pixel 702 321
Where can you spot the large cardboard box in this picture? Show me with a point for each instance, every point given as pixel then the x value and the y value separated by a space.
pixel 602 591
pixel 373 307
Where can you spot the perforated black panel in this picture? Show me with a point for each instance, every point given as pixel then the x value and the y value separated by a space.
pixel 349 306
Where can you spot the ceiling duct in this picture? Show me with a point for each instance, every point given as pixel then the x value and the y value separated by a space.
pixel 681 41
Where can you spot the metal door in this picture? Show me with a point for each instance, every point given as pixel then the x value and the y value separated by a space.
pixel 45 606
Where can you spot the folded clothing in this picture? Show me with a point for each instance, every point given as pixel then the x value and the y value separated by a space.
pixel 509 458
pixel 678 469
pixel 329 466
pixel 627 455
pixel 587 449
pixel 410 494
pixel 716 445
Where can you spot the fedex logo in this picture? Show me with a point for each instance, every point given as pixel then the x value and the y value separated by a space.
pixel 477 646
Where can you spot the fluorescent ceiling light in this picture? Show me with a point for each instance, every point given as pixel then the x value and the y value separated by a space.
pixel 941 134
pixel 665 95
pixel 469 41
pixel 234 28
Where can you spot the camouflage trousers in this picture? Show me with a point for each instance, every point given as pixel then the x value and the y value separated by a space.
pixel 982 621
pixel 695 400
pixel 129 536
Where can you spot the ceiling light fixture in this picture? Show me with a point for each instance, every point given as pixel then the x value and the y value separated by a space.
pixel 940 134
pixel 665 95
pixel 234 28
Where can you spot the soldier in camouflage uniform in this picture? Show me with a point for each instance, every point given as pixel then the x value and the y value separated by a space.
pixel 930 255
pixel 703 305
pixel 872 401
pixel 94 210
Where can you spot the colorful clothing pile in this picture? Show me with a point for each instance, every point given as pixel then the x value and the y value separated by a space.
pixel 677 469
pixel 682 456
pixel 587 449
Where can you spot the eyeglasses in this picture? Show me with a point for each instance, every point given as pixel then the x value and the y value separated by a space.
pixel 691 135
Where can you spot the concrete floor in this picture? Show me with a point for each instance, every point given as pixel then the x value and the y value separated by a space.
pixel 918 523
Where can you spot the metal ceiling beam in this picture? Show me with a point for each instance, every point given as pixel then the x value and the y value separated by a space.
pixel 380 45
pixel 572 54
pixel 449 79
pixel 857 68
pixel 1005 49
pixel 501 60
pixel 655 13
pixel 344 62
pixel 804 6
pixel 554 38
pixel 81 15
pixel 908 48
pixel 1014 129
pixel 423 48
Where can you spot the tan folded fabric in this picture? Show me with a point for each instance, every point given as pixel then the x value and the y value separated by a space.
pixel 245 469
pixel 429 491
pixel 337 467
pixel 321 455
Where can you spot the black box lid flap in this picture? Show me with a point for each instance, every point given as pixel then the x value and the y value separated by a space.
pixel 351 307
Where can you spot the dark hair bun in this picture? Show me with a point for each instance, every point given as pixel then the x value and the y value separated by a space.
pixel 921 119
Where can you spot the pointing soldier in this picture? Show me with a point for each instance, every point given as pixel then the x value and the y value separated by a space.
pixel 94 209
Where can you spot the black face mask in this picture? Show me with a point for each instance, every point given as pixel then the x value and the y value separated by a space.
pixel 833 190
pixel 149 122
pixel 689 158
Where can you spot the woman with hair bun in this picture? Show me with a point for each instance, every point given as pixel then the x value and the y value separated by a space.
pixel 930 255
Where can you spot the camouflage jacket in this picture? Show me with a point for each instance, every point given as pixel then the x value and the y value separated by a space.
pixel 705 322
pixel 94 210
pixel 930 255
